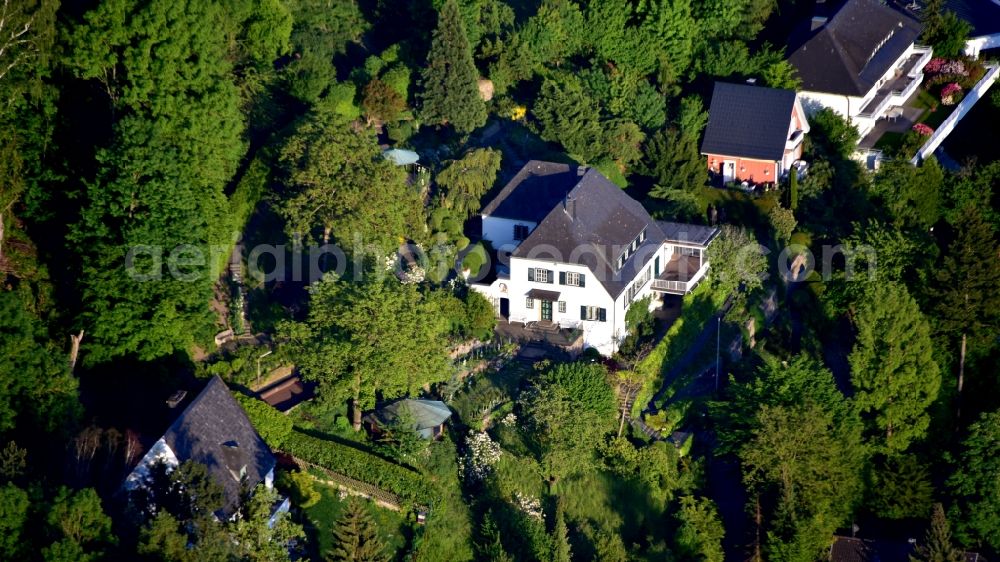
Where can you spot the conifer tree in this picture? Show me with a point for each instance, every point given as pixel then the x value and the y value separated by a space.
pixel 937 545
pixel 892 366
pixel 450 81
pixel 357 537
pixel 560 539
pixel 968 281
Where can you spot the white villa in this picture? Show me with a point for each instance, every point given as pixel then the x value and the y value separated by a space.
pixel 862 62
pixel 575 252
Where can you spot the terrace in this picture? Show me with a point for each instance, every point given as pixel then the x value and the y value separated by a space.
pixel 900 88
pixel 681 274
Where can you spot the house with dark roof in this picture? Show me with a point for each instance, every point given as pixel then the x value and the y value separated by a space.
pixel 754 134
pixel 212 430
pixel 982 15
pixel 851 549
pixel 576 252
pixel 863 62
pixel 426 417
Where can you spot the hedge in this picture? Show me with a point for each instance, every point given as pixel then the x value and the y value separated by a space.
pixel 273 426
pixel 359 465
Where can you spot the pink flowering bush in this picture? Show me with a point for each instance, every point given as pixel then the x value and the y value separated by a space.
pixel 923 130
pixel 945 66
pixel 934 65
pixel 951 94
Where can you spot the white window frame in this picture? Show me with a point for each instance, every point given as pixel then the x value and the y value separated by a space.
pixel 541 275
pixel 562 307
pixel 529 303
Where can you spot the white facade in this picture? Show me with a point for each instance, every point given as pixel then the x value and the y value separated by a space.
pixel 160 452
pixel 500 231
pixel 975 45
pixel 896 86
pixel 589 308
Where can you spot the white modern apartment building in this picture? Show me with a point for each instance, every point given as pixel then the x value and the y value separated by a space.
pixel 863 62
pixel 576 252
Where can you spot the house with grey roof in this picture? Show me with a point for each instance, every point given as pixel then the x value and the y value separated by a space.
pixel 754 134
pixel 575 252
pixel 982 15
pixel 863 62
pixel 212 430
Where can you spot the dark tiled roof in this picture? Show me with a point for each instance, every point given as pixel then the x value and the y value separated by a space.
pixel 748 121
pixel 684 233
pixel 848 549
pixel 838 57
pixel 215 431
pixel 591 227
pixel 983 15
pixel 532 193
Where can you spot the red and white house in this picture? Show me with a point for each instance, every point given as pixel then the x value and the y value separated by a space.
pixel 754 134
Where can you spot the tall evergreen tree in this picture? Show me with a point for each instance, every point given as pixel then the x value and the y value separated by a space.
pixel 937 546
pixel 968 287
pixel 892 366
pixel 450 81
pixel 356 537
pixel 560 537
pixel 975 485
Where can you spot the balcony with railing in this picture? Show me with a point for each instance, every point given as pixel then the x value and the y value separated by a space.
pixel 906 79
pixel 680 275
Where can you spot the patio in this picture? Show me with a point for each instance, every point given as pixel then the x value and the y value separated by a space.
pixel 900 122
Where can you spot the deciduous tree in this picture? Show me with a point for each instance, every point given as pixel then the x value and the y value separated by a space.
pixel 699 531
pixel 337 181
pixel 374 337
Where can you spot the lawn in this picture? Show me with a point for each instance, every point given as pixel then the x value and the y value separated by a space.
pixel 394 529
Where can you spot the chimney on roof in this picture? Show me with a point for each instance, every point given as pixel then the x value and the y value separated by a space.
pixel 580 170
pixel 176 398
pixel 817 22
pixel 569 207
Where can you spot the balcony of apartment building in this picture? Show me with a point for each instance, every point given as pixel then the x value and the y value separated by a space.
pixel 901 83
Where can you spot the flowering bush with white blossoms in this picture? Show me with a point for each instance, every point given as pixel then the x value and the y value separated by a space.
pixel 510 420
pixel 483 454
pixel 531 506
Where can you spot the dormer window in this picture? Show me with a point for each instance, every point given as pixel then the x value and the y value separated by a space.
pixel 631 248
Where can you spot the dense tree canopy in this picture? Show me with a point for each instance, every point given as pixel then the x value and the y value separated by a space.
pixel 892 366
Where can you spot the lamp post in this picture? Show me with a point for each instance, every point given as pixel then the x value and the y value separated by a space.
pixel 259 357
pixel 718 331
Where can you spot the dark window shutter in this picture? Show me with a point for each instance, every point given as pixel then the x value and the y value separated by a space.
pixel 583 313
pixel 531 274
pixel 550 276
pixel 582 277
pixel 562 277
pixel 602 315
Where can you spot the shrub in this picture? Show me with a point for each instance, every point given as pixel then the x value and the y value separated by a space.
pixel 300 488
pixel 359 465
pixel 273 426
pixel 923 129
pixel 474 260
pixel 951 94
